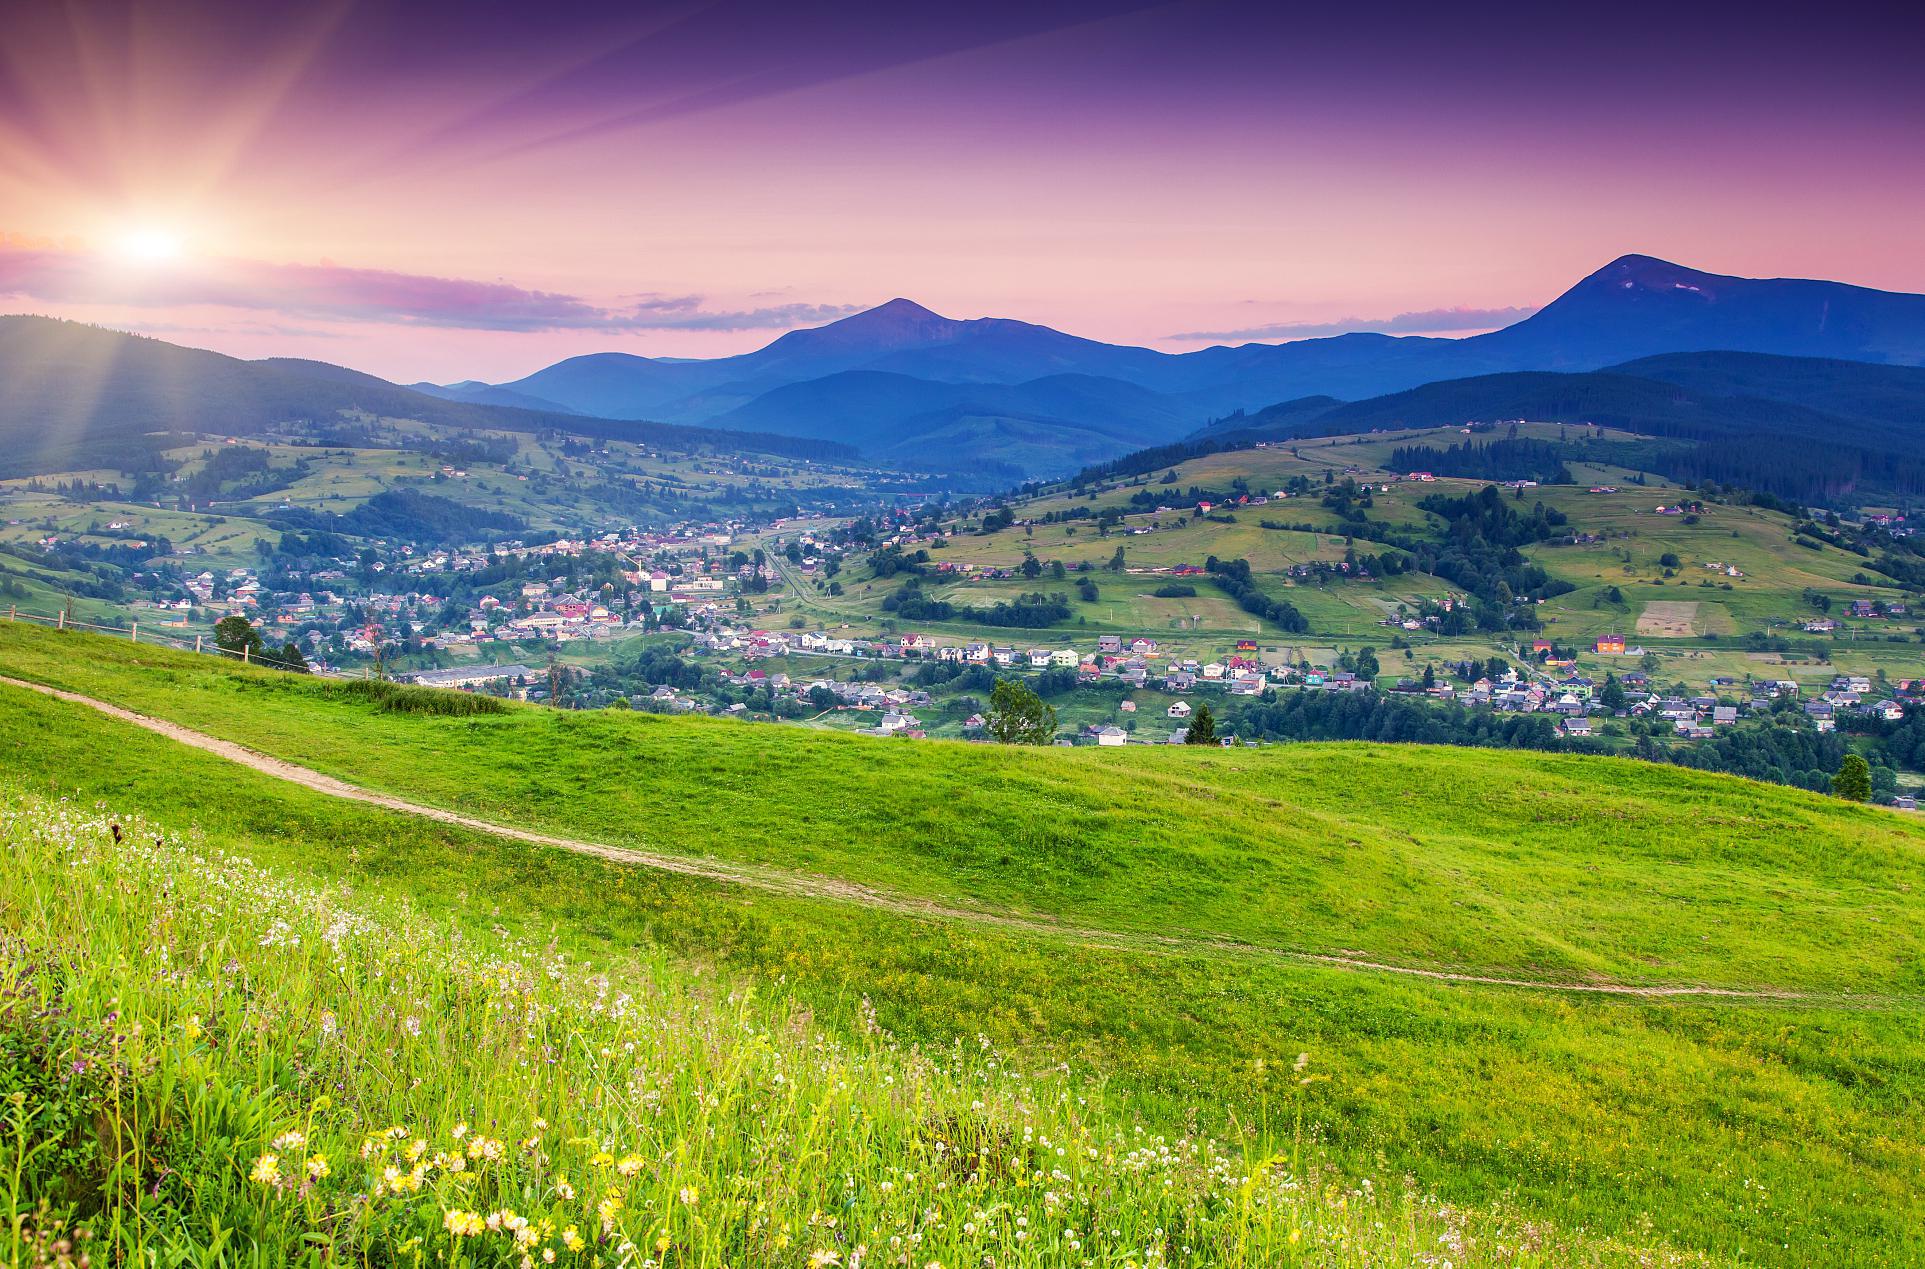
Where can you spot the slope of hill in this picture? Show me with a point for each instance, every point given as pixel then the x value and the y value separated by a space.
pixel 78 395
pixel 1801 427
pixel 877 412
pixel 475 392
pixel 1161 918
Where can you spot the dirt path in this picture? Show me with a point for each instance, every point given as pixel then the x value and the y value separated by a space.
pixel 815 886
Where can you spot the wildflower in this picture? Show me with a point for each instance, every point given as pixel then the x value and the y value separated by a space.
pixel 548 1255
pixel 290 1141
pixel 192 1028
pixel 461 1130
pixel 327 1022
pixel 823 1259
pixel 661 1244
pixel 267 1170
pixel 317 1166
pixel 630 1164
pixel 571 1239
pixel 689 1195
pixel 463 1224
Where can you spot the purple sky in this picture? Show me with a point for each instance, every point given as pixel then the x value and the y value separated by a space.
pixel 473 190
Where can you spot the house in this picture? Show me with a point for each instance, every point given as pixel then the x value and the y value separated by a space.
pixel 1611 645
pixel 1576 726
pixel 1110 736
pixel 1179 709
pixel 1904 802
pixel 1723 715
pixel 1128 707
pixel 468 676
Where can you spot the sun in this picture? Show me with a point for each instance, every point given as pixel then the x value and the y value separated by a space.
pixel 146 244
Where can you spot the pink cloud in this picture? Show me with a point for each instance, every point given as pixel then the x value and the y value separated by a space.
pixel 40 272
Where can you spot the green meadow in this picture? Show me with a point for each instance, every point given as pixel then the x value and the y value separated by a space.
pixel 1142 927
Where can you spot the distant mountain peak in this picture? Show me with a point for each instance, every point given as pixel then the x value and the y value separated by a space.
pixel 899 309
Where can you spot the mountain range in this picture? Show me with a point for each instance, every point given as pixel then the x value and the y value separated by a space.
pixel 994 400
pixel 901 383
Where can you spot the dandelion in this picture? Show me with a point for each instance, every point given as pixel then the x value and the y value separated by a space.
pixel 267 1170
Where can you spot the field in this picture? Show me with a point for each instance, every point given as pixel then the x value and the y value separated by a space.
pixel 1154 926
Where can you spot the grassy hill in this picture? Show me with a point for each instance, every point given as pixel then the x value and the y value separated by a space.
pixel 1803 427
pixel 1170 927
pixel 78 395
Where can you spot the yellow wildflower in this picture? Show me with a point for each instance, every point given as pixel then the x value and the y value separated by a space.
pixel 571 1238
pixel 267 1169
pixel 317 1166
pixel 463 1224
pixel 630 1164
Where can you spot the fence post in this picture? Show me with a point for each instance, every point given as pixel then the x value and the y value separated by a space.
pixel 245 649
pixel 12 613
pixel 133 632
pixel 60 621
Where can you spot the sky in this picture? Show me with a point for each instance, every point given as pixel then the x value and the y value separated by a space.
pixel 468 189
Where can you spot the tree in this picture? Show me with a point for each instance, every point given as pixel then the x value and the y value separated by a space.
pixel 234 634
pixel 290 658
pixel 1611 696
pixel 1116 561
pixel 1367 667
pixel 1202 728
pixel 1017 716
pixel 1032 567
pixel 1854 779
